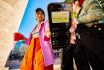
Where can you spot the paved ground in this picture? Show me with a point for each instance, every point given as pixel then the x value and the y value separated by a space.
pixel 57 64
pixel 14 65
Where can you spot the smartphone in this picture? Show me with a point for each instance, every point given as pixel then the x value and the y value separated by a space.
pixel 59 16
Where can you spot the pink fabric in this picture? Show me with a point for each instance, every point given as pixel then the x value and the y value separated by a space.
pixel 27 41
pixel 45 44
pixel 46 38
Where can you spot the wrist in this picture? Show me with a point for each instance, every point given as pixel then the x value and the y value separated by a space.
pixel 76 21
pixel 78 9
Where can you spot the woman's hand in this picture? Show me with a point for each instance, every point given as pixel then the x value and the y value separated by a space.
pixel 48 34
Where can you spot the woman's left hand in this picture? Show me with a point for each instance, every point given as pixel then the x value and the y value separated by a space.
pixel 48 34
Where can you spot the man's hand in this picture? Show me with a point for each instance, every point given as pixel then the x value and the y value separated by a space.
pixel 76 7
pixel 72 31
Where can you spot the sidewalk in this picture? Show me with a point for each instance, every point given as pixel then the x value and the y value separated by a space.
pixel 14 65
pixel 57 65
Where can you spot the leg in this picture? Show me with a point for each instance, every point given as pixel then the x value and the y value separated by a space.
pixel 67 59
pixel 93 45
pixel 80 58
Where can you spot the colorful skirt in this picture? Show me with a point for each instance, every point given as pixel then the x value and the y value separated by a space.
pixel 33 58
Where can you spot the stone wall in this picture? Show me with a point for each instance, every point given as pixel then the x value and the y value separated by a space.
pixel 11 13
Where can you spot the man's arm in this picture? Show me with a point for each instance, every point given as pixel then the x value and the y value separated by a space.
pixel 93 13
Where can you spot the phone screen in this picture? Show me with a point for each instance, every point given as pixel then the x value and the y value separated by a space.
pixel 60 17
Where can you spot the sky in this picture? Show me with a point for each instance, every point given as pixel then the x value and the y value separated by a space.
pixel 29 21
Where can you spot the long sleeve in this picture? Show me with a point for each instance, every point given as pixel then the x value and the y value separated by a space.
pixel 90 12
pixel 47 31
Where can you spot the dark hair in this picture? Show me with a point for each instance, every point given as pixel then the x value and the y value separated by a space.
pixel 39 9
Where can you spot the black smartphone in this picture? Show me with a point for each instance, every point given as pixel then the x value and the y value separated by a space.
pixel 59 16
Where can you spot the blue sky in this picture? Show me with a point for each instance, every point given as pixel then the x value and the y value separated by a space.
pixel 28 21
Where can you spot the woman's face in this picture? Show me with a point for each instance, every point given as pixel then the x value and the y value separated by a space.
pixel 40 16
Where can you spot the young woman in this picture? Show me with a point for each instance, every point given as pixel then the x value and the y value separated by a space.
pixel 39 55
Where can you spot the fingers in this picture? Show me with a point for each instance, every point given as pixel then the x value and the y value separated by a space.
pixel 48 34
pixel 72 38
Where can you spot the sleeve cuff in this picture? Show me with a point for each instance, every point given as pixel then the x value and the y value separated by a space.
pixel 46 38
pixel 76 20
